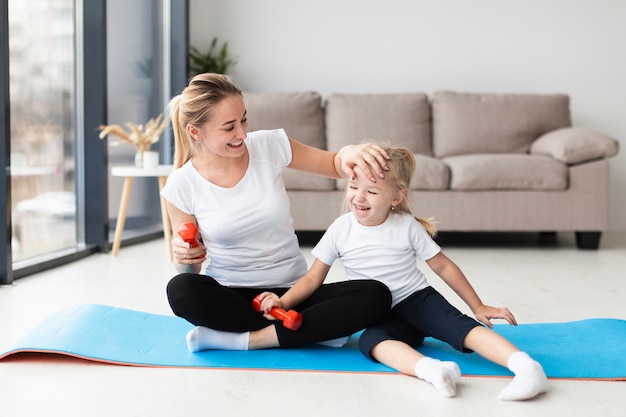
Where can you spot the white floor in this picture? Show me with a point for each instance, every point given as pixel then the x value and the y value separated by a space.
pixel 538 283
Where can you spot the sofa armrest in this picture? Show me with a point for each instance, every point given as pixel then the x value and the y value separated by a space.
pixel 573 145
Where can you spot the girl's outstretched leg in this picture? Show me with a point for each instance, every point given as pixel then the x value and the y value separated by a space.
pixel 404 358
pixel 530 380
pixel 442 374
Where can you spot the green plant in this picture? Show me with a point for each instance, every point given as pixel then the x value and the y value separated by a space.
pixel 214 60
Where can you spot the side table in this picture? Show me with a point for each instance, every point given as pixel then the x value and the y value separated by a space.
pixel 129 173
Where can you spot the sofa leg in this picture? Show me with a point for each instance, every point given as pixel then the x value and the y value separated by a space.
pixel 548 239
pixel 588 240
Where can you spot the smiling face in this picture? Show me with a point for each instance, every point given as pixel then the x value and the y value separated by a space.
pixel 224 133
pixel 371 202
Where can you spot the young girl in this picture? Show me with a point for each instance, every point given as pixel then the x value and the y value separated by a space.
pixel 380 239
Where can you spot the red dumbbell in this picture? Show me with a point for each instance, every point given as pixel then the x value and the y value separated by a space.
pixel 291 319
pixel 188 232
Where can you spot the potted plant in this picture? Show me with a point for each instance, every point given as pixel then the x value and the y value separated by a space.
pixel 215 59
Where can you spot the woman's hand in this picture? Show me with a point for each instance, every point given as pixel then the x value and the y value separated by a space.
pixel 372 159
pixel 187 256
pixel 485 313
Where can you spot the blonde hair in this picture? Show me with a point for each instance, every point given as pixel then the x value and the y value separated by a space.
pixel 193 106
pixel 401 169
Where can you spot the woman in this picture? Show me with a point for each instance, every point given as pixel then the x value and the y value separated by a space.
pixel 229 183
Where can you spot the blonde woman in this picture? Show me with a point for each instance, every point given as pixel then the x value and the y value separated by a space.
pixel 229 182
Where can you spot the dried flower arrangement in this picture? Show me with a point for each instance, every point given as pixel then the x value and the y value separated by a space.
pixel 140 136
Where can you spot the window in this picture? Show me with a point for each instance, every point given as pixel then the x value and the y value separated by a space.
pixel 43 135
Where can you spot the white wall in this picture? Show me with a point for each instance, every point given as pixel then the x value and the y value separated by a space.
pixel 370 46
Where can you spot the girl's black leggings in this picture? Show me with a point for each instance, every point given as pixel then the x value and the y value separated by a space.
pixel 334 310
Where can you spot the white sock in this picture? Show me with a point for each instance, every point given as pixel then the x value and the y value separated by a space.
pixel 336 343
pixel 202 338
pixel 443 375
pixel 529 380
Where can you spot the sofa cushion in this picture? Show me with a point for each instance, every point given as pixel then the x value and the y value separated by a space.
pixel 430 174
pixel 403 119
pixel 302 117
pixel 575 144
pixel 471 123
pixel 506 172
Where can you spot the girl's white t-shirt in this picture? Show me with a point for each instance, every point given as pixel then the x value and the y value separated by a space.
pixel 247 229
pixel 387 253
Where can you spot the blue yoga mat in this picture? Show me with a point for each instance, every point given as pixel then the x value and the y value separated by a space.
pixel 586 349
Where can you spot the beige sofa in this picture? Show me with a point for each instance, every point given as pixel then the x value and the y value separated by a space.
pixel 486 162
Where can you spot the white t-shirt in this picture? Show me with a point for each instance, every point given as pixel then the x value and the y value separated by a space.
pixel 387 253
pixel 247 229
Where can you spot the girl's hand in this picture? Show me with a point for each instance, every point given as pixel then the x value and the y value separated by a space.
pixel 269 300
pixel 372 159
pixel 485 313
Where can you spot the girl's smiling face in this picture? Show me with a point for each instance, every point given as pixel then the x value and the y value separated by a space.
pixel 224 133
pixel 371 202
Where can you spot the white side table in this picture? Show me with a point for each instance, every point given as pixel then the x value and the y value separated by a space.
pixel 129 173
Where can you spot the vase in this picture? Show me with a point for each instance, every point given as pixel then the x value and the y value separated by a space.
pixel 139 159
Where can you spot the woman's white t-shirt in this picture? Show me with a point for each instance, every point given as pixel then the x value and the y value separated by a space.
pixel 387 253
pixel 247 229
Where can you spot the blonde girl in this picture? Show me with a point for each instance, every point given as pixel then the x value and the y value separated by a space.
pixel 380 239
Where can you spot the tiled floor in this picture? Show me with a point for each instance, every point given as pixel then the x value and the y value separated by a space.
pixel 539 283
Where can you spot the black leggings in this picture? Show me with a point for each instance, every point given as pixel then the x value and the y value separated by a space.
pixel 334 310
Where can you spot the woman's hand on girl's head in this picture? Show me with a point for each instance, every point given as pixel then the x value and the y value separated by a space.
pixel 371 158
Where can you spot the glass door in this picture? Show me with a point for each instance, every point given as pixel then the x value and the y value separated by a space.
pixel 135 95
pixel 43 112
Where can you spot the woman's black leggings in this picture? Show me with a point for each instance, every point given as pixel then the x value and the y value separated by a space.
pixel 334 310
